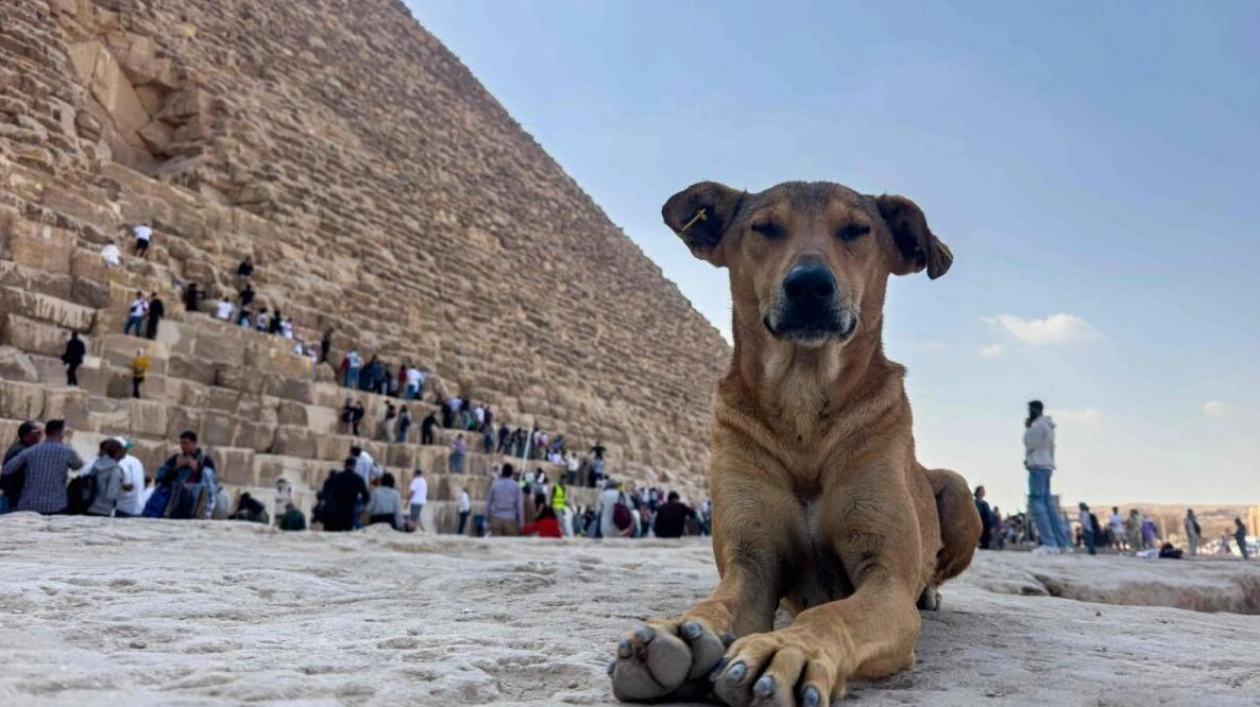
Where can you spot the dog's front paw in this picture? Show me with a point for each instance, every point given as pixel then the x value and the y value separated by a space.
pixel 782 669
pixel 666 660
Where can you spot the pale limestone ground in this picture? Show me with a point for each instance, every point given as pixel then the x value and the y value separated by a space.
pixel 161 613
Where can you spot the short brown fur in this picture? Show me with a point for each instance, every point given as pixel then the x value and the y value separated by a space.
pixel 818 501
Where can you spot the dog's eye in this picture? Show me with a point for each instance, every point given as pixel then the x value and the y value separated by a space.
pixel 768 230
pixel 854 231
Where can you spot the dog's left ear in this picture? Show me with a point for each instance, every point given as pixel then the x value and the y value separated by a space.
pixel 919 248
pixel 700 215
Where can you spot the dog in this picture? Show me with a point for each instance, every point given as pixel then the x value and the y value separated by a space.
pixel 818 502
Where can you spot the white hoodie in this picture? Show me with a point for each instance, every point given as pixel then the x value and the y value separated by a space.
pixel 1039 444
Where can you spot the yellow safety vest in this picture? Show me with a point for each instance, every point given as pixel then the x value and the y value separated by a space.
pixel 557 499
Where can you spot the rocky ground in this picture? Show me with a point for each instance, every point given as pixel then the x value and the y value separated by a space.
pixel 156 613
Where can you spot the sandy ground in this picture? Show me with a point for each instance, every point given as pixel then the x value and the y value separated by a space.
pixel 161 613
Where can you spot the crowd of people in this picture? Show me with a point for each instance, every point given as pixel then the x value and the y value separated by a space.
pixel 1047 530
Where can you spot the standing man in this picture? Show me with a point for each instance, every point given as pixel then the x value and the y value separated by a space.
pixel 73 358
pixel 505 505
pixel 135 314
pixel 1240 533
pixel 426 428
pixel 47 468
pixel 1193 532
pixel 139 371
pixel 245 272
pixel 1087 529
pixel 157 311
pixel 29 434
pixel 1116 521
pixel 1039 461
pixel 419 496
pixel 986 519
pixel 465 507
pixel 130 504
pixel 325 346
pixel 144 237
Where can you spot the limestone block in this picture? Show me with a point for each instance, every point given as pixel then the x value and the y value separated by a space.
pixel 120 349
pixel 277 357
pixel 219 429
pixel 147 417
pixel 258 436
pixel 191 368
pixel 401 455
pixel 21 401
pixel 181 419
pixel 292 413
pixel 234 465
pixel 188 393
pixel 335 448
pixel 225 399
pixel 68 404
pixel 225 346
pixel 280 386
pixel 41 247
pixel 16 366
pixel 325 420
pixel 27 279
pixel 296 442
pixel 32 336
pixel 245 380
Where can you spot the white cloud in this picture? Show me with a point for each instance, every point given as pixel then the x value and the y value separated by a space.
pixel 992 350
pixel 1085 416
pixel 1215 408
pixel 1054 329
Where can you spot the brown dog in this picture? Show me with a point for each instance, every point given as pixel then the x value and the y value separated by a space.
pixel 818 501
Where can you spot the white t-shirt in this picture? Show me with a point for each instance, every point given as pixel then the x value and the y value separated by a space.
pixel 111 255
pixel 143 233
pixel 363 466
pixel 224 310
pixel 574 463
pixel 419 491
pixel 286 329
pixel 139 307
pixel 413 377
pixel 131 502
pixel 480 414
pixel 465 503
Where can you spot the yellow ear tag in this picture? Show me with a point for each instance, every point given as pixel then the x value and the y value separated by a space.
pixel 701 215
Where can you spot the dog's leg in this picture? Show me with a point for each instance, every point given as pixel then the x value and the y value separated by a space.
pixel 869 634
pixel 671 660
pixel 960 523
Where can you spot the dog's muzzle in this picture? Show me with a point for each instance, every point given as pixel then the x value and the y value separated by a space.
pixel 810 310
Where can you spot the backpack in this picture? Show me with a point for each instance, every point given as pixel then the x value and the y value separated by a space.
pixel 158 501
pixel 81 494
pixel 622 517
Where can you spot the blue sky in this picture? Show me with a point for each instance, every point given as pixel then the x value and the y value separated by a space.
pixel 1094 166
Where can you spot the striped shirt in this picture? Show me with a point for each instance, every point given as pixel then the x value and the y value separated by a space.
pixel 47 469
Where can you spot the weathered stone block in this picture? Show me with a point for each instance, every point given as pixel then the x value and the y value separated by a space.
pixel 147 417
pixel 21 401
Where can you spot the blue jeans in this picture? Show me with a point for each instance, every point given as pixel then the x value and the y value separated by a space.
pixel 352 378
pixel 1046 518
pixel 133 322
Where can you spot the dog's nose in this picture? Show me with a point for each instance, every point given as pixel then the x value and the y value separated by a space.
pixel 809 284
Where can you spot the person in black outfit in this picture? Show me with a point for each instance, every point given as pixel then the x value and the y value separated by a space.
pixel 343 492
pixel 247 296
pixel 426 428
pixel 325 345
pixel 671 518
pixel 250 509
pixel 157 310
pixel 986 518
pixel 245 271
pixel 503 438
pixel 73 358
pixel 192 298
pixel 276 319
pixel 356 416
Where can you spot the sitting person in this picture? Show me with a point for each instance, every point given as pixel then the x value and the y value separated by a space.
pixel 250 509
pixel 386 504
pixel 545 526
pixel 293 519
pixel 1168 552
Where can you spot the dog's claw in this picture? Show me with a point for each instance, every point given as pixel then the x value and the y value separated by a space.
pixel 624 649
pixel 737 672
pixel 764 687
pixel 691 630
pixel 810 697
pixel 644 635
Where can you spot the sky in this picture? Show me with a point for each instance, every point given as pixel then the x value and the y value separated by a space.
pixel 1095 168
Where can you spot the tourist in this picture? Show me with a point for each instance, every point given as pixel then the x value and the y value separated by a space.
pixel 356 417
pixel 1193 532
pixel 426 428
pixel 1039 461
pixel 505 505
pixel 189 469
pixel 465 508
pixel 222 504
pixel 1133 530
pixel 135 314
pixel 139 371
pixel 1149 534
pixel 157 310
pixel 106 479
pixel 479 415
pixel 276 322
pixel 597 463
pixel 346 418
pixel 350 366
pixel 1168 552
pixel 293 519
pixel 364 465
pixel 544 526
pixel 1087 529
pixel 572 466
pixel 560 497
pixel 986 518
pixel 1116 521
pixel 458 449
pixel 325 346
pixel 344 493
pixel 251 510
pixel 73 357
pixel 192 298
pixel 29 434
pixel 540 489
pixel 672 517
pixel 111 255
pixel 404 425
pixel 504 435
pixel 1240 537
pixel 284 497
pixel 387 426
pixel 609 499
pixel 419 497
pixel 144 237
pixel 247 297
pixel 131 502
pixel 286 328
pixel 46 467
pixel 260 320
pixel 224 309
pixel 385 505
pixel 245 272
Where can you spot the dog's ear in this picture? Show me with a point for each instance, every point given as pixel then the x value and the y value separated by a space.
pixel 700 215
pixel 918 247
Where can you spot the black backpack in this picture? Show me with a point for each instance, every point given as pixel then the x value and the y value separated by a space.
pixel 81 494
